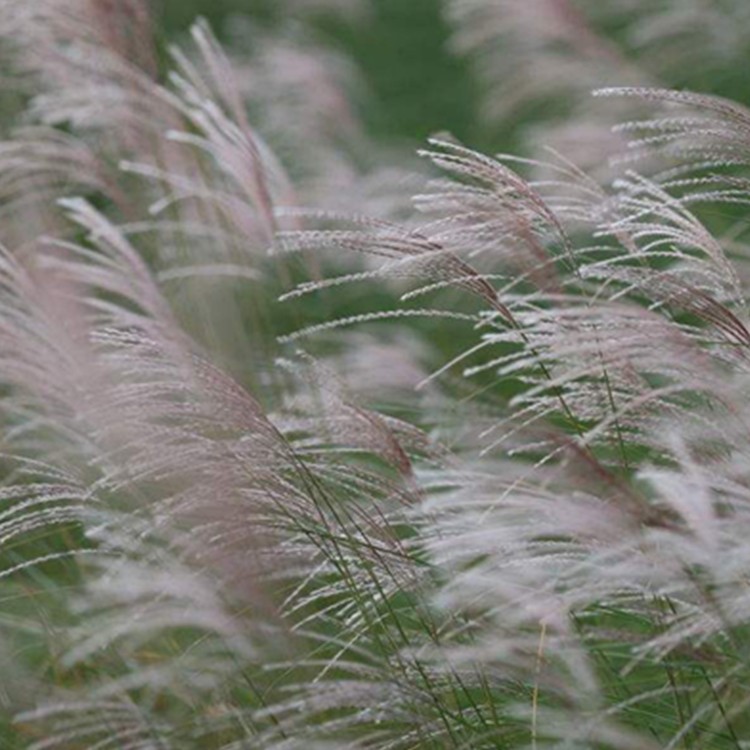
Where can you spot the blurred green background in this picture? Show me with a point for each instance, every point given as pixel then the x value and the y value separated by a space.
pixel 414 85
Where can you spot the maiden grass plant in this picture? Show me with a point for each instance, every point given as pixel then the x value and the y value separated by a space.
pixel 288 464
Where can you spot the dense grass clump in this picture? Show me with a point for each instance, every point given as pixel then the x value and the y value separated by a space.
pixel 312 439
